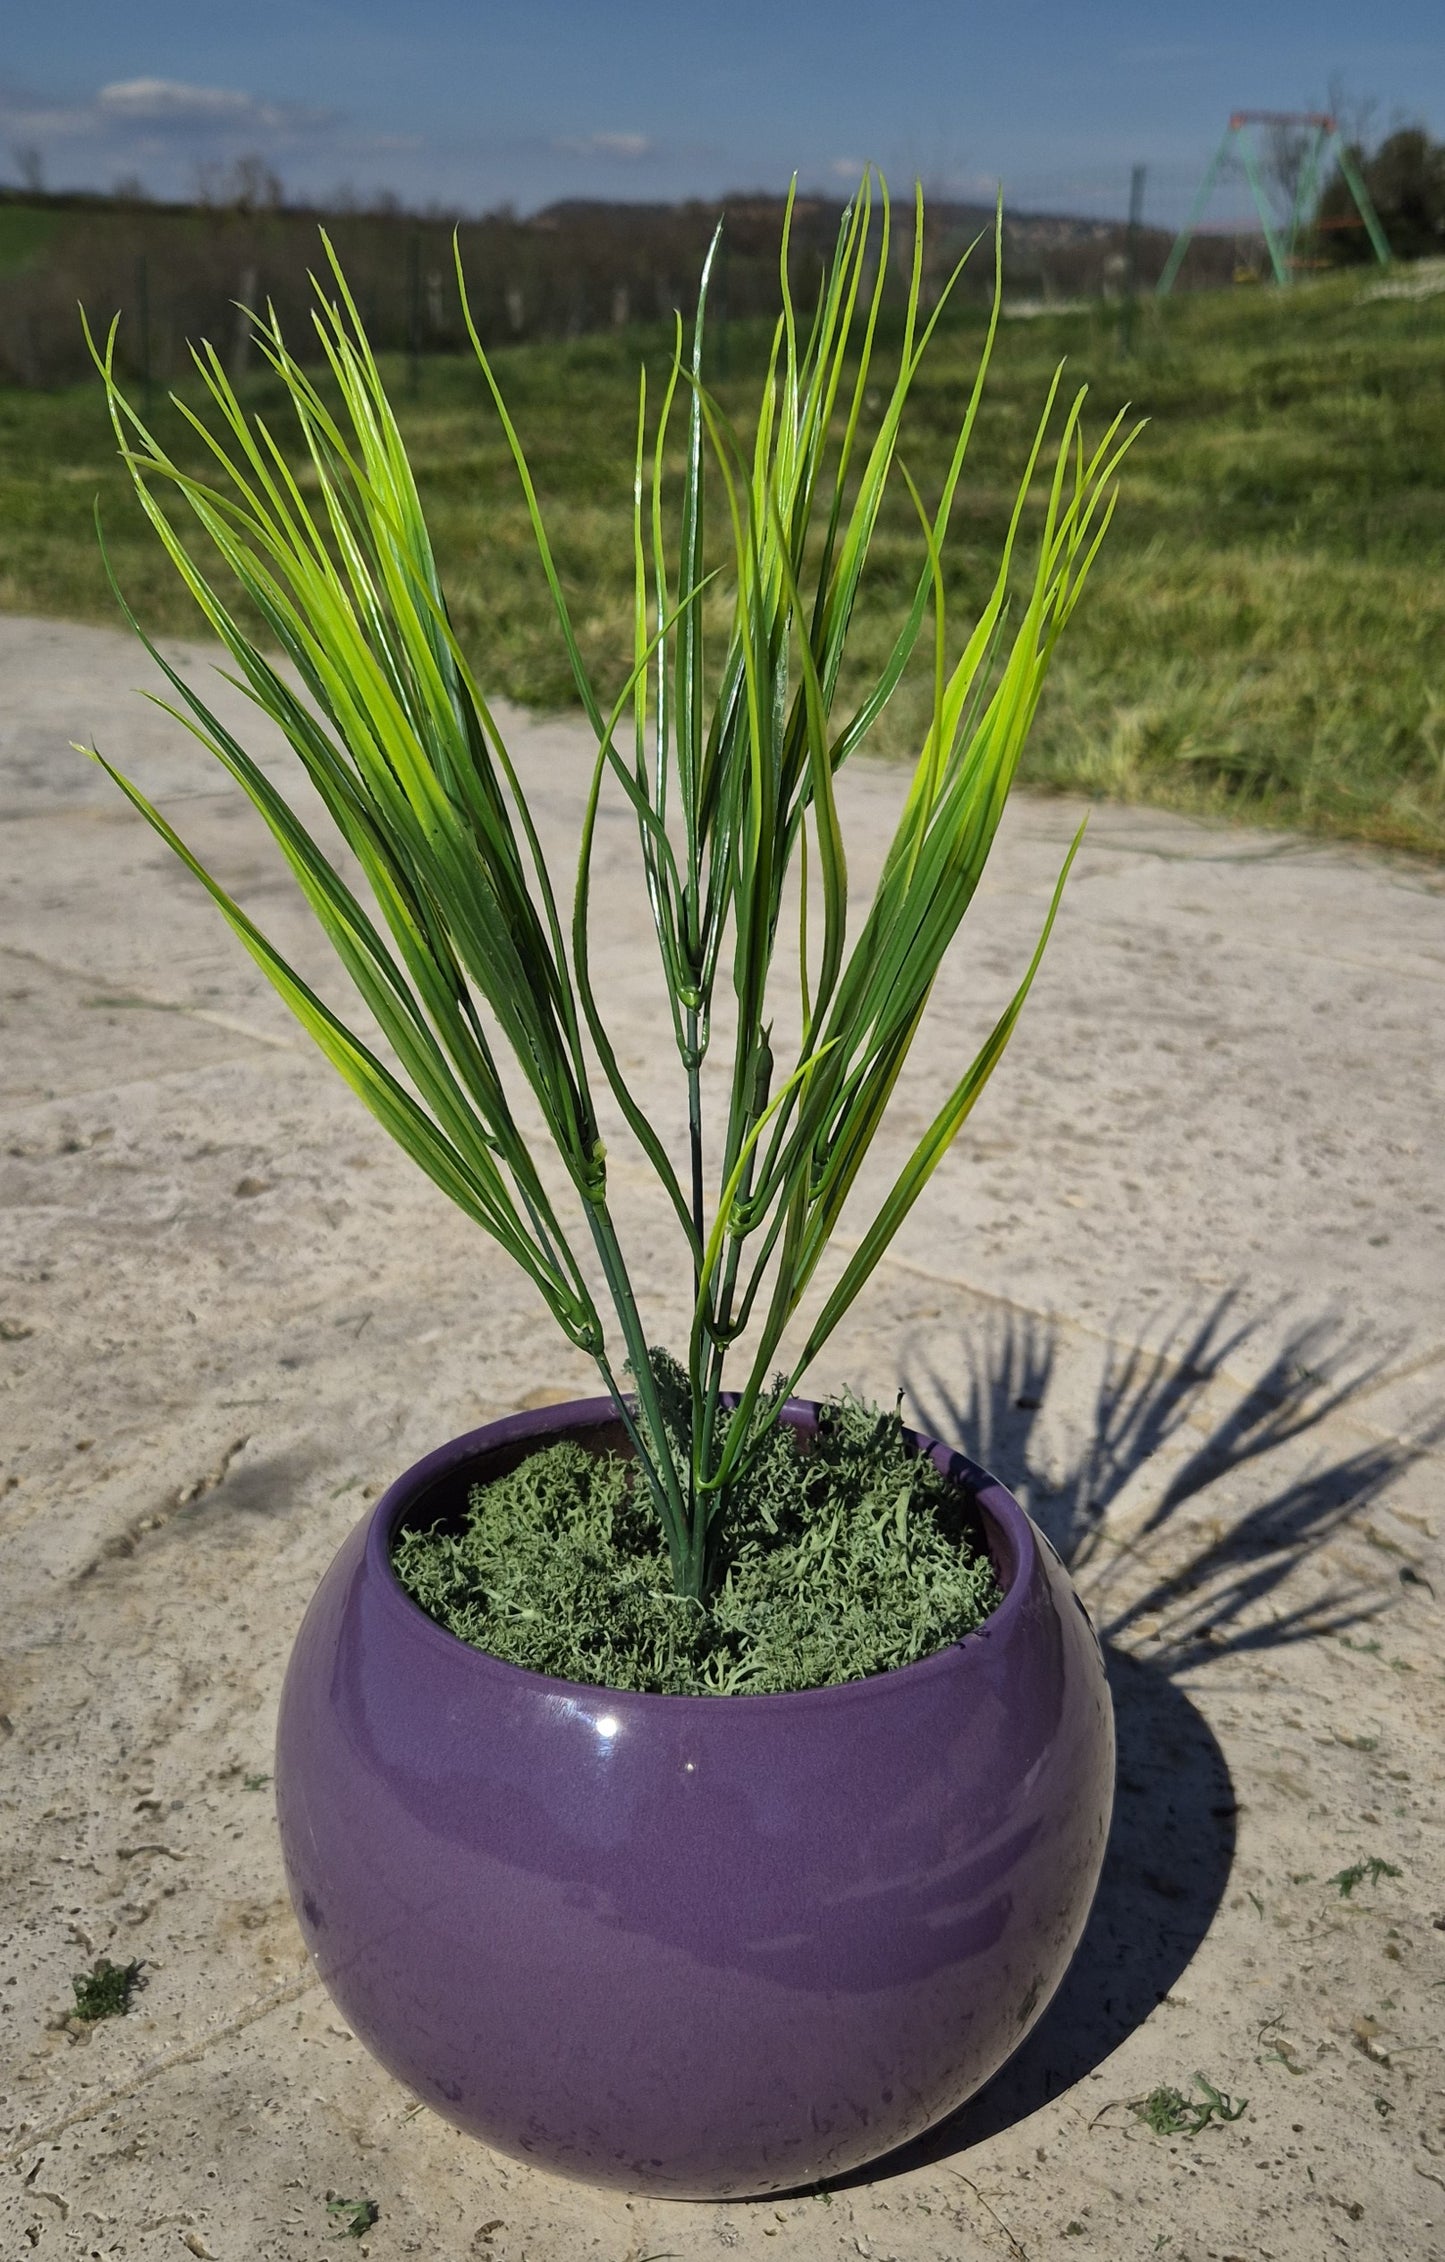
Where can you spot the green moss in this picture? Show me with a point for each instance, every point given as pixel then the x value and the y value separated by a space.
pixel 842 1559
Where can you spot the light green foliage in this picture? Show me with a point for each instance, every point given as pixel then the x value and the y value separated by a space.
pixel 847 1560
pixel 725 739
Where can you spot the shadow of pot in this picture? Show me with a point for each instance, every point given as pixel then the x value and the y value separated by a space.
pixel 701 1947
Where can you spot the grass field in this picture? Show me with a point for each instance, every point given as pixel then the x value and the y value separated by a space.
pixel 1264 638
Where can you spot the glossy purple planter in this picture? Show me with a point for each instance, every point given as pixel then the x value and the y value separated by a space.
pixel 703 1947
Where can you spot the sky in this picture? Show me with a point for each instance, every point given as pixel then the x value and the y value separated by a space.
pixel 475 105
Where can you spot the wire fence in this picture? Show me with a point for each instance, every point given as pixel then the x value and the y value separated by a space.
pixel 178 274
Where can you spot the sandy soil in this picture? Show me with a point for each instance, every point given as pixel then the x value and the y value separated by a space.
pixel 1180 1285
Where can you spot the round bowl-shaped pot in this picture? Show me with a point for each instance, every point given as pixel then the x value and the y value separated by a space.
pixel 703 1947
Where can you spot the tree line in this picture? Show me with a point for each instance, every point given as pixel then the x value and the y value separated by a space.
pixel 1405 176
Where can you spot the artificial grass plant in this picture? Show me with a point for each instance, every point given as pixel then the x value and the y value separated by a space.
pixel 726 749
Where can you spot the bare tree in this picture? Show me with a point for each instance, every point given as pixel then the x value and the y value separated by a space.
pixel 1354 114
pixel 254 186
pixel 1286 154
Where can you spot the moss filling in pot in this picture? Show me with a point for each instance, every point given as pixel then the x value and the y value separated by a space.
pixel 845 1555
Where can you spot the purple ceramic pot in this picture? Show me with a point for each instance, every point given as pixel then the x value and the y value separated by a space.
pixel 703 1947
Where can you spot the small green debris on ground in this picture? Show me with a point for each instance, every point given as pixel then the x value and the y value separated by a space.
pixel 1371 1870
pixel 1168 2112
pixel 104 1992
pixel 1275 2046
pixel 353 2218
pixel 255 1782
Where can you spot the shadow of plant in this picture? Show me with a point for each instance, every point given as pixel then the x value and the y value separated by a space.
pixel 1146 1401
pixel 1171 1841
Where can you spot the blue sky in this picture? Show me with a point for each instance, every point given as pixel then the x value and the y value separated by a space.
pixel 476 104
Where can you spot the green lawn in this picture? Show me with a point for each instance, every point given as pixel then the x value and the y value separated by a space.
pixel 24 235
pixel 1264 637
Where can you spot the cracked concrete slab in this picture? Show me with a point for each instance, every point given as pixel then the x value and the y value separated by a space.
pixel 1179 1284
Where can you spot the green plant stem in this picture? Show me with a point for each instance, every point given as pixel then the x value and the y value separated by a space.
pixel 704 1458
pixel 655 1453
pixel 693 1062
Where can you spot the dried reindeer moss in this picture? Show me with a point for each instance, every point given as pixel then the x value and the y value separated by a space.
pixel 845 1558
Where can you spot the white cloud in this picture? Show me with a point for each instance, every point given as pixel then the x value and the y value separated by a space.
pixel 161 105
pixel 145 115
pixel 156 101
pixel 627 147
pixel 848 168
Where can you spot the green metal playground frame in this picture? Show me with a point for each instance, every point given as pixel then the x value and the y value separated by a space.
pixel 1325 142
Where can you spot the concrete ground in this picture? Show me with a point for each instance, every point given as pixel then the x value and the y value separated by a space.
pixel 1180 1284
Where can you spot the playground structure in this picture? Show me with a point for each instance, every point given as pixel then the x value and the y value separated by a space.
pixel 1323 143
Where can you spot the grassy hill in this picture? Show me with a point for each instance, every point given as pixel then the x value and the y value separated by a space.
pixel 1265 636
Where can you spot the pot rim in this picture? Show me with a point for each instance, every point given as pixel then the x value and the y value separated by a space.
pixel 1005 1520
